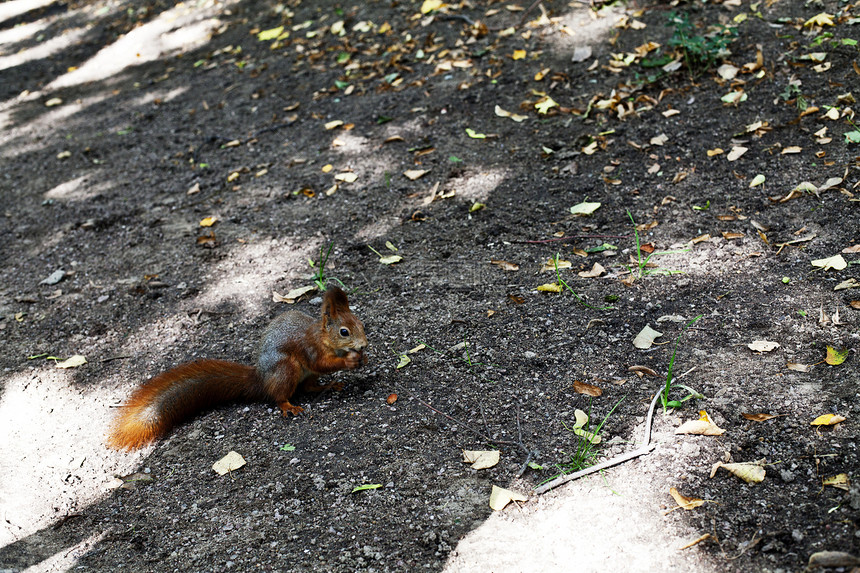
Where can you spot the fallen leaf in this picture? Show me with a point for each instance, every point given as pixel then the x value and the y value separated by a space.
pixel 346 177
pixel 544 105
pixel 500 497
pixel 392 398
pixel 701 427
pixel 552 264
pixel 72 362
pixel 474 135
pixel 587 389
pixel 413 174
pixel 231 462
pixel 366 487
pixel 696 541
pixel 827 420
pixel 852 249
pixel 832 559
pixel 584 208
pixel 762 345
pixel 736 152
pixel 502 113
pixel 293 295
pixel 595 271
pixel 646 338
pixel 822 19
pixel 333 124
pixel 839 481
pixel 757 180
pixel 481 459
pixel 549 287
pixel 404 361
pixel 688 503
pixel 835 262
pixel 759 417
pixel 430 5
pixel 208 221
pixel 505 265
pixel 836 357
pixel 518 55
pixel 642 370
pixel 750 472
pixel 798 367
pixel 846 284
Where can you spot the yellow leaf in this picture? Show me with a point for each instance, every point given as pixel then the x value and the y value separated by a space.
pixel 688 503
pixel 823 19
pixel 390 260
pixel 333 124
pixel 839 481
pixel 431 5
pixel 270 34
pixel 827 420
pixel 208 221
pixel 541 74
pixel 836 357
pixel 518 54
pixel 550 287
pixel 404 360
pixel 750 472
pixel 327 168
pixel 347 177
pixel 544 105
pixel 474 134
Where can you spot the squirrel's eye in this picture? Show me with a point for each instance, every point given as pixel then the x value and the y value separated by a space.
pixel 344 332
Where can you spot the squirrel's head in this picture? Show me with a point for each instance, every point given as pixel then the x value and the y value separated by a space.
pixel 345 330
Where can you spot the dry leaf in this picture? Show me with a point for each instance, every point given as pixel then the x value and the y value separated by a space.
pixel 293 295
pixel 72 362
pixel 502 113
pixel 392 398
pixel 346 177
pixel 736 152
pixel 501 497
pixel 827 420
pixel 688 503
pixel 730 236
pixel 839 481
pixel 584 208
pixel 760 417
pixel 333 124
pixel 551 264
pixel 646 338
pixel 701 427
pixel 762 345
pixel 642 370
pixel 832 559
pixel 505 265
pixel 481 459
pixel 835 262
pixel 208 221
pixel 849 283
pixel 750 472
pixel 232 461
pixel 586 388
pixel 413 174
pixel 595 271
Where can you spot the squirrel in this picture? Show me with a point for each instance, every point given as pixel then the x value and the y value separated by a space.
pixel 295 350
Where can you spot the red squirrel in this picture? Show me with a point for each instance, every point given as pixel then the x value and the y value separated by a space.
pixel 296 349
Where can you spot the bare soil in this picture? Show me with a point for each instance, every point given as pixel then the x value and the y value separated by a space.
pixel 123 125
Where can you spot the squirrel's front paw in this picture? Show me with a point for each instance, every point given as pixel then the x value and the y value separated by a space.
pixel 353 359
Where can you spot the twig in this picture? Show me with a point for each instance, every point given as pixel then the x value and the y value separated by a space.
pixel 569 237
pixel 644 449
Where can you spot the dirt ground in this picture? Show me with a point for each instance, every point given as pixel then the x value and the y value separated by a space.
pixel 124 125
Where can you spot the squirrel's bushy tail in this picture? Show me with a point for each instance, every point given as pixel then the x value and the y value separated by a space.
pixel 178 394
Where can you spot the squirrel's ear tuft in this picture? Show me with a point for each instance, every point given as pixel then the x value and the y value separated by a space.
pixel 334 299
